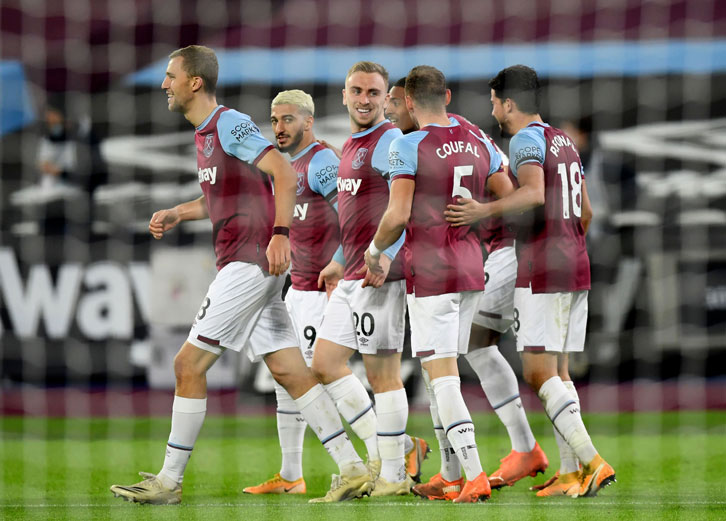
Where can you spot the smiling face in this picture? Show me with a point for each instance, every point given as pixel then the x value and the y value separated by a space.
pixel 396 110
pixel 289 124
pixel 364 96
pixel 178 86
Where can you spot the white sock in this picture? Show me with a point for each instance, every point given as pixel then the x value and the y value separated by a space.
pixel 564 412
pixel 568 458
pixel 354 404
pixel 407 444
pixel 502 390
pixel 450 466
pixel 457 423
pixel 187 418
pixel 291 432
pixel 392 415
pixel 320 413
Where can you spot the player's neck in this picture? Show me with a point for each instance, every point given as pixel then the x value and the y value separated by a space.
pixel 425 117
pixel 306 141
pixel 521 120
pixel 200 109
pixel 355 127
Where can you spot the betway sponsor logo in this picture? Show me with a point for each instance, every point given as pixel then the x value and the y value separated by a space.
pixel 99 297
pixel 349 185
pixel 301 211
pixel 208 174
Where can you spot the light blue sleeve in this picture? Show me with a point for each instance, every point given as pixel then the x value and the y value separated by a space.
pixel 379 161
pixel 393 249
pixel 240 137
pixel 495 159
pixel 403 154
pixel 527 146
pixel 323 175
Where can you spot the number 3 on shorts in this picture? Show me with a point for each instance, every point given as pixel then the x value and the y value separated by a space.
pixel 203 310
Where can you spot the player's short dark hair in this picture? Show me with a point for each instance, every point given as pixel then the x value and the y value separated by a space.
pixel 426 85
pixel 370 68
pixel 200 61
pixel 520 84
pixel 400 83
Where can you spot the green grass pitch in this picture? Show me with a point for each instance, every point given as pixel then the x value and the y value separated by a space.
pixel 669 466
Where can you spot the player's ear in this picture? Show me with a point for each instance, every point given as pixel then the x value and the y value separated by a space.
pixel 309 122
pixel 344 101
pixel 409 103
pixel 448 97
pixel 197 83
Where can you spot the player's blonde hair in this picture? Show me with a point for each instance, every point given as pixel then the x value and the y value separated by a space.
pixel 370 68
pixel 297 97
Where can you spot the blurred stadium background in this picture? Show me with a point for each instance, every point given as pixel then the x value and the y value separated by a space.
pixel 89 303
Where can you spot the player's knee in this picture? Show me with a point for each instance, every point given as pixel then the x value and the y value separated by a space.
pixel 382 383
pixel 185 369
pixel 320 371
pixel 535 377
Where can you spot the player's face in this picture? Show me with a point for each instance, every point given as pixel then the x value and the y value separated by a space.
pixel 178 86
pixel 396 110
pixel 365 95
pixel 289 125
pixel 500 111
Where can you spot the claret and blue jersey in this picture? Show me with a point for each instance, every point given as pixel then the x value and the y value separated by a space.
pixel 446 163
pixel 552 254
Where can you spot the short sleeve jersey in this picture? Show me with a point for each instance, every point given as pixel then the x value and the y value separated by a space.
pixel 314 235
pixel 495 233
pixel 238 195
pixel 363 195
pixel 445 163
pixel 551 253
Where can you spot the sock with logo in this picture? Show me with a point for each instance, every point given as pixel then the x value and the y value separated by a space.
pixel 291 432
pixel 457 423
pixel 564 412
pixel 450 467
pixel 187 418
pixel 568 458
pixel 502 390
pixel 354 404
pixel 392 414
pixel 320 413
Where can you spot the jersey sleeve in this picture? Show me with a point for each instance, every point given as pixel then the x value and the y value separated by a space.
pixel 527 146
pixel 323 175
pixel 403 156
pixel 379 161
pixel 495 160
pixel 241 138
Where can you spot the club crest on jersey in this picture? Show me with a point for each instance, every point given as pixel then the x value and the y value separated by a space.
pixel 360 157
pixel 300 182
pixel 208 145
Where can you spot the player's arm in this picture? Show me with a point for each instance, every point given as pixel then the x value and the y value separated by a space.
pixel 165 220
pixel 469 211
pixel 587 213
pixel 285 181
pixel 530 194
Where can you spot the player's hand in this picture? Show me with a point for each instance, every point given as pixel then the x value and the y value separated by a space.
pixel 376 276
pixel 162 221
pixel 278 254
pixel 330 276
pixel 335 150
pixel 465 211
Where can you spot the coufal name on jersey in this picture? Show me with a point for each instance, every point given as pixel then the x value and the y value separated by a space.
pixel 456 147
pixel 559 142
pixel 208 174
pixel 349 185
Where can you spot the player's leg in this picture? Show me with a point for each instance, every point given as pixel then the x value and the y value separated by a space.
pixel 432 321
pixel 384 375
pixel 501 388
pixel 545 319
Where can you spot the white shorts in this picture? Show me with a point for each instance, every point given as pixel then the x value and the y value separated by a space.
pixel 243 308
pixel 369 320
pixel 441 324
pixel 306 310
pixel 496 306
pixel 550 321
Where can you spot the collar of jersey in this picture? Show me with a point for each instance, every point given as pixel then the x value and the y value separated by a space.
pixel 303 151
pixel 541 123
pixel 204 123
pixel 454 123
pixel 365 132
